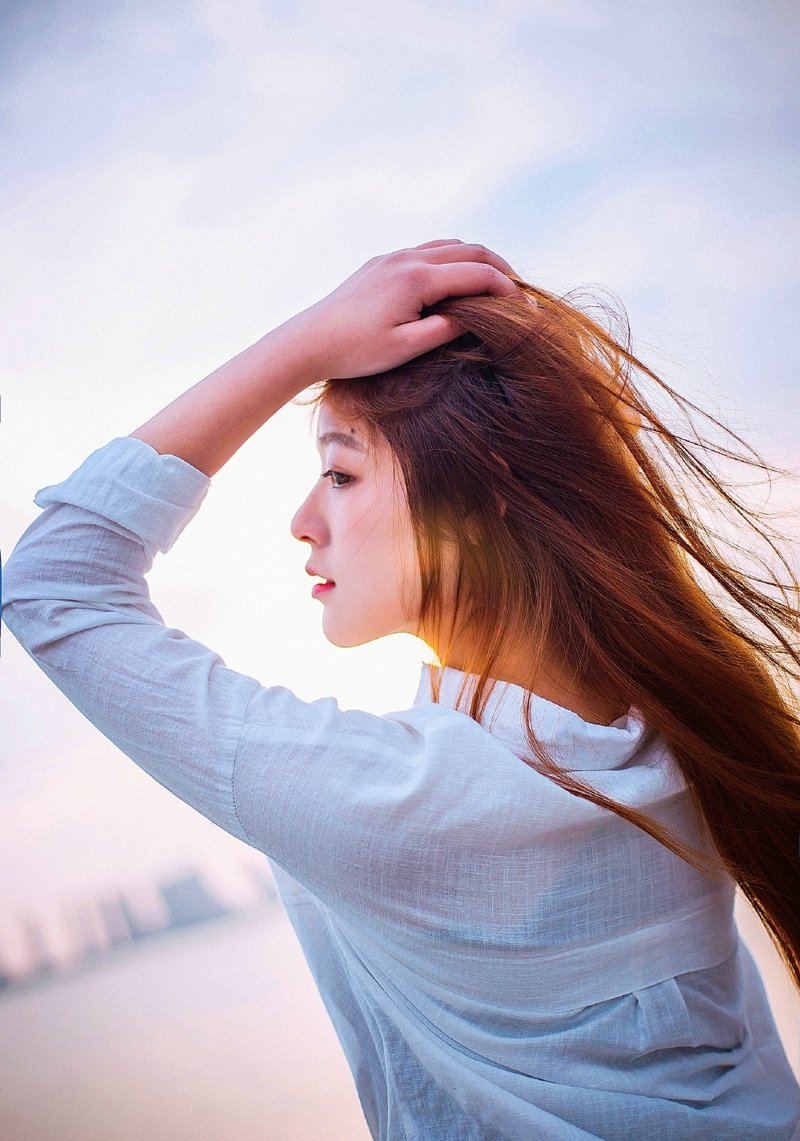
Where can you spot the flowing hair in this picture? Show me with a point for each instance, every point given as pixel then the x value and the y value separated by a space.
pixel 578 534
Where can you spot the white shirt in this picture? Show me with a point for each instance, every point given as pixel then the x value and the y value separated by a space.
pixel 500 959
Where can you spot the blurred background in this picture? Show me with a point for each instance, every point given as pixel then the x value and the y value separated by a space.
pixel 179 177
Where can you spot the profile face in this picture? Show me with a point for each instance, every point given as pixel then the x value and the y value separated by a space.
pixel 358 528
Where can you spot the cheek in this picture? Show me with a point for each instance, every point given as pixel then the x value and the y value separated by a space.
pixel 376 578
pixel 385 555
pixel 406 575
pixel 382 551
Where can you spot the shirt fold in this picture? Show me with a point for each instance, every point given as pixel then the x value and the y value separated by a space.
pixel 500 958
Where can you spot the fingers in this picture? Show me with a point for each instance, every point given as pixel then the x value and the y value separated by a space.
pixel 451 249
pixel 464 279
pixel 439 242
pixel 418 337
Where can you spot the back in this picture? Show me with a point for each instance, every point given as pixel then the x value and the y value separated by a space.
pixel 500 958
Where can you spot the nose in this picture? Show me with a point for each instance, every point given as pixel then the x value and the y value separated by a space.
pixel 306 525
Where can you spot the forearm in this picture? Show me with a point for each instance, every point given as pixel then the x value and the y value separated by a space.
pixel 372 322
pixel 209 422
pixel 76 598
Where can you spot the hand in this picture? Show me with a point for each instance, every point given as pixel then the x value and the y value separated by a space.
pixel 372 321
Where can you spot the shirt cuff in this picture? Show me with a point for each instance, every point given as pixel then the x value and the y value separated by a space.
pixel 130 483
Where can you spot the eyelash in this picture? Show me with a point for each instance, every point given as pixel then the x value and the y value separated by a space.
pixel 331 472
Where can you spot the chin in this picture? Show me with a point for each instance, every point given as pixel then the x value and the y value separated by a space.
pixel 342 643
pixel 347 638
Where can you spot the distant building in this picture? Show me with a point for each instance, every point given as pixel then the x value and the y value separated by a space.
pixel 40 962
pixel 144 911
pixel 189 901
pixel 116 920
pixel 90 929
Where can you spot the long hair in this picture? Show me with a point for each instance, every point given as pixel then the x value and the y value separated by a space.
pixel 577 534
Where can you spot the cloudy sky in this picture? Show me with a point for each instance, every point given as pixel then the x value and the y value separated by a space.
pixel 180 177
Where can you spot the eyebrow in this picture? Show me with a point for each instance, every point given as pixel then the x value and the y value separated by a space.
pixel 343 438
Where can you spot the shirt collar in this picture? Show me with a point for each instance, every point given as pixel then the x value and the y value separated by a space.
pixel 573 743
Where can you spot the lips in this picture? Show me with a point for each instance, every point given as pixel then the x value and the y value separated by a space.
pixel 319 588
pixel 317 574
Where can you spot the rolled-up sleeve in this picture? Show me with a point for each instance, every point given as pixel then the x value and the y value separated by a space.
pixel 75 597
pixel 339 798
pixel 307 783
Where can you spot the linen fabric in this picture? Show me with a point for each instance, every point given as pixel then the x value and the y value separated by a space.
pixel 500 958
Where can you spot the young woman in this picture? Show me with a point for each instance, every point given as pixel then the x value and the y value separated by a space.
pixel 516 896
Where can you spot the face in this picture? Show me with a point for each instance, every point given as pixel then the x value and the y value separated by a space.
pixel 358 527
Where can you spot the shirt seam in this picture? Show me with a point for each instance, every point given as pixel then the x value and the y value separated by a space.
pixel 241 823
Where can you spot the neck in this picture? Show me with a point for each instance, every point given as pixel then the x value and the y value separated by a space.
pixel 553 682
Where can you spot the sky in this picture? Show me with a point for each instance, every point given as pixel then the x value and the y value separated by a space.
pixel 179 178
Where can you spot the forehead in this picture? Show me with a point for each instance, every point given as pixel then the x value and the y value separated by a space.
pixel 369 450
pixel 333 429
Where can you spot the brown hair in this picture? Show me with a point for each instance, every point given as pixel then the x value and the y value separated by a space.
pixel 516 442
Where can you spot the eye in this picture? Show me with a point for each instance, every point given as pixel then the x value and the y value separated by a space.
pixel 336 476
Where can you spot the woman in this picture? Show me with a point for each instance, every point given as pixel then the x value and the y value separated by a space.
pixel 515 897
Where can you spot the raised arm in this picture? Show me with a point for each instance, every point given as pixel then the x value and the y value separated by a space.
pixel 368 324
pixel 76 597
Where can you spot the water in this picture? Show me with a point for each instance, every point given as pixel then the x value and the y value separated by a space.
pixel 213 1034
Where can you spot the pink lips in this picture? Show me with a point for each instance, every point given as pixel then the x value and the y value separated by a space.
pixel 319 587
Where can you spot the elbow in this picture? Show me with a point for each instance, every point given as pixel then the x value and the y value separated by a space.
pixel 15 589
pixel 51 597
pixel 27 612
pixel 28 621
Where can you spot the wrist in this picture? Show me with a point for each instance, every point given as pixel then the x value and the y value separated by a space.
pixel 298 351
